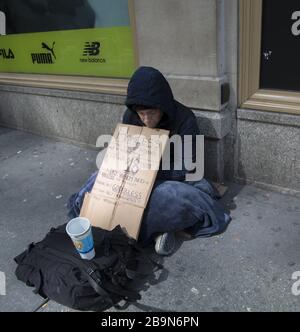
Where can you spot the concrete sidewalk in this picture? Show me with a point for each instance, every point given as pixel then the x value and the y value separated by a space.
pixel 248 268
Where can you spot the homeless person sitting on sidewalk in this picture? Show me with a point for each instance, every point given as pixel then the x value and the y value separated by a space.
pixel 174 204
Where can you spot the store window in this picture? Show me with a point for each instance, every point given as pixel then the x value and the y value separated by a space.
pixel 269 55
pixel 80 38
pixel 73 37
pixel 280 67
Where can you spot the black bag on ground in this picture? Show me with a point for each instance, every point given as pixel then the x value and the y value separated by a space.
pixel 57 271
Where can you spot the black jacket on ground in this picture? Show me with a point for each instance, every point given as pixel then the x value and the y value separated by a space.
pixel 148 87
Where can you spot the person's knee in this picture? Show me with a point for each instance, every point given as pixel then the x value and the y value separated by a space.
pixel 166 191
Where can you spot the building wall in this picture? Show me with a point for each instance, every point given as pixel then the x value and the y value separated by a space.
pixel 187 41
pixel 269 150
pixel 267 142
pixel 67 115
pixel 184 40
pixel 194 43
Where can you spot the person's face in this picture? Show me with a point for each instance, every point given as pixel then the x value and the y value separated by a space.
pixel 150 117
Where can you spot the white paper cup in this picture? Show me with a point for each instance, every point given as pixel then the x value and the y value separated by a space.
pixel 80 231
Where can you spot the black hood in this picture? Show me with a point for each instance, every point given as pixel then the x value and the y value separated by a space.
pixel 148 87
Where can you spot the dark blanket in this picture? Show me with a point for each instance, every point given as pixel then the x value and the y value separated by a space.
pixel 173 206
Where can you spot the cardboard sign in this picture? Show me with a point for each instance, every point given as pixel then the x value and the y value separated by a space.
pixel 125 179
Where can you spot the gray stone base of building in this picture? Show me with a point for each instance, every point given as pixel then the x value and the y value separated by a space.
pixel 80 118
pixel 266 144
pixel 268 150
pixel 77 117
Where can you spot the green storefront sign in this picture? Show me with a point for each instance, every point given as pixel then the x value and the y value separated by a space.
pixel 105 52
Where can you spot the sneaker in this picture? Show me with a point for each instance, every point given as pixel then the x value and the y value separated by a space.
pixel 165 244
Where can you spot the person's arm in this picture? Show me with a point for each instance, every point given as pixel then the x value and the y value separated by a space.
pixel 126 117
pixel 75 201
pixel 190 128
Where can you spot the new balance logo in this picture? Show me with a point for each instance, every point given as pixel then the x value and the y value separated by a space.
pixel 7 54
pixel 91 49
pixel 91 53
pixel 44 58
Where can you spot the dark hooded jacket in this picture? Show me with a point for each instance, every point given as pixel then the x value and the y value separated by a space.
pixel 148 87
